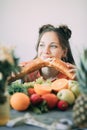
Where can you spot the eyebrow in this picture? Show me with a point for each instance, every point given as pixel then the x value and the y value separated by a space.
pixel 41 41
pixel 51 42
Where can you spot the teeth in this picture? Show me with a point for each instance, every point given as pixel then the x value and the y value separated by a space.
pixel 49 59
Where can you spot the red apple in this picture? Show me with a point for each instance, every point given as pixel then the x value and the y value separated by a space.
pixel 62 105
pixel 35 99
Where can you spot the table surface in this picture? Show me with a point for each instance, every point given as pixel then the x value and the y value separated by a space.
pixel 47 118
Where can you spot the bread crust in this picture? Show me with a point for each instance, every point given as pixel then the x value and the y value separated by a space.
pixel 61 66
pixel 32 66
pixel 38 63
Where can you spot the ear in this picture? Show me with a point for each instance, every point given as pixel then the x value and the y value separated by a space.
pixel 65 53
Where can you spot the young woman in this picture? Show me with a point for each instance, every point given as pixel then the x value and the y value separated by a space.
pixel 52 42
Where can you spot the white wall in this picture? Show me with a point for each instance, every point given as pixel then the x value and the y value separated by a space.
pixel 21 19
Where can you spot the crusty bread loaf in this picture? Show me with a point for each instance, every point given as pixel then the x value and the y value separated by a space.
pixel 61 66
pixel 38 63
pixel 30 67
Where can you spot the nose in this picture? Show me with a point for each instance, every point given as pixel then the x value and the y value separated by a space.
pixel 47 50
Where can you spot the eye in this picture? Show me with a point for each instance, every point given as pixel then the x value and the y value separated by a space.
pixel 41 45
pixel 53 46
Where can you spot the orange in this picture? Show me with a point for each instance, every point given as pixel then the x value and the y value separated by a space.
pixel 19 101
pixel 42 89
pixel 59 84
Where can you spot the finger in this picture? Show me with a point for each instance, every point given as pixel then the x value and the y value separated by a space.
pixel 74 77
pixel 71 66
pixel 72 70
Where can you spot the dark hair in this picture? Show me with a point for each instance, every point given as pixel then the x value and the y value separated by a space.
pixel 63 33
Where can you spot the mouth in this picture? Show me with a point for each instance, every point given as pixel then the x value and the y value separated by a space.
pixel 46 56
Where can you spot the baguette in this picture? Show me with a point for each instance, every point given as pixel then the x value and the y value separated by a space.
pixel 61 66
pixel 38 63
pixel 30 67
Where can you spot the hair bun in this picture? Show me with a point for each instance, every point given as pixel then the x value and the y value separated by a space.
pixel 65 31
pixel 45 27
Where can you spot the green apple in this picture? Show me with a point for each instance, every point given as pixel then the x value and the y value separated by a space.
pixel 66 95
pixel 74 87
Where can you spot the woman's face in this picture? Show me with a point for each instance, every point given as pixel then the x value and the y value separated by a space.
pixel 49 46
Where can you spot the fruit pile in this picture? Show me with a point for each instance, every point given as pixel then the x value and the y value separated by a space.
pixel 41 96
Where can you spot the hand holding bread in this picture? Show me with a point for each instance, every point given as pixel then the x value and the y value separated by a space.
pixel 38 63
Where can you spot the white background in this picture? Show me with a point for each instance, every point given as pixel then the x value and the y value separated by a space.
pixel 20 21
